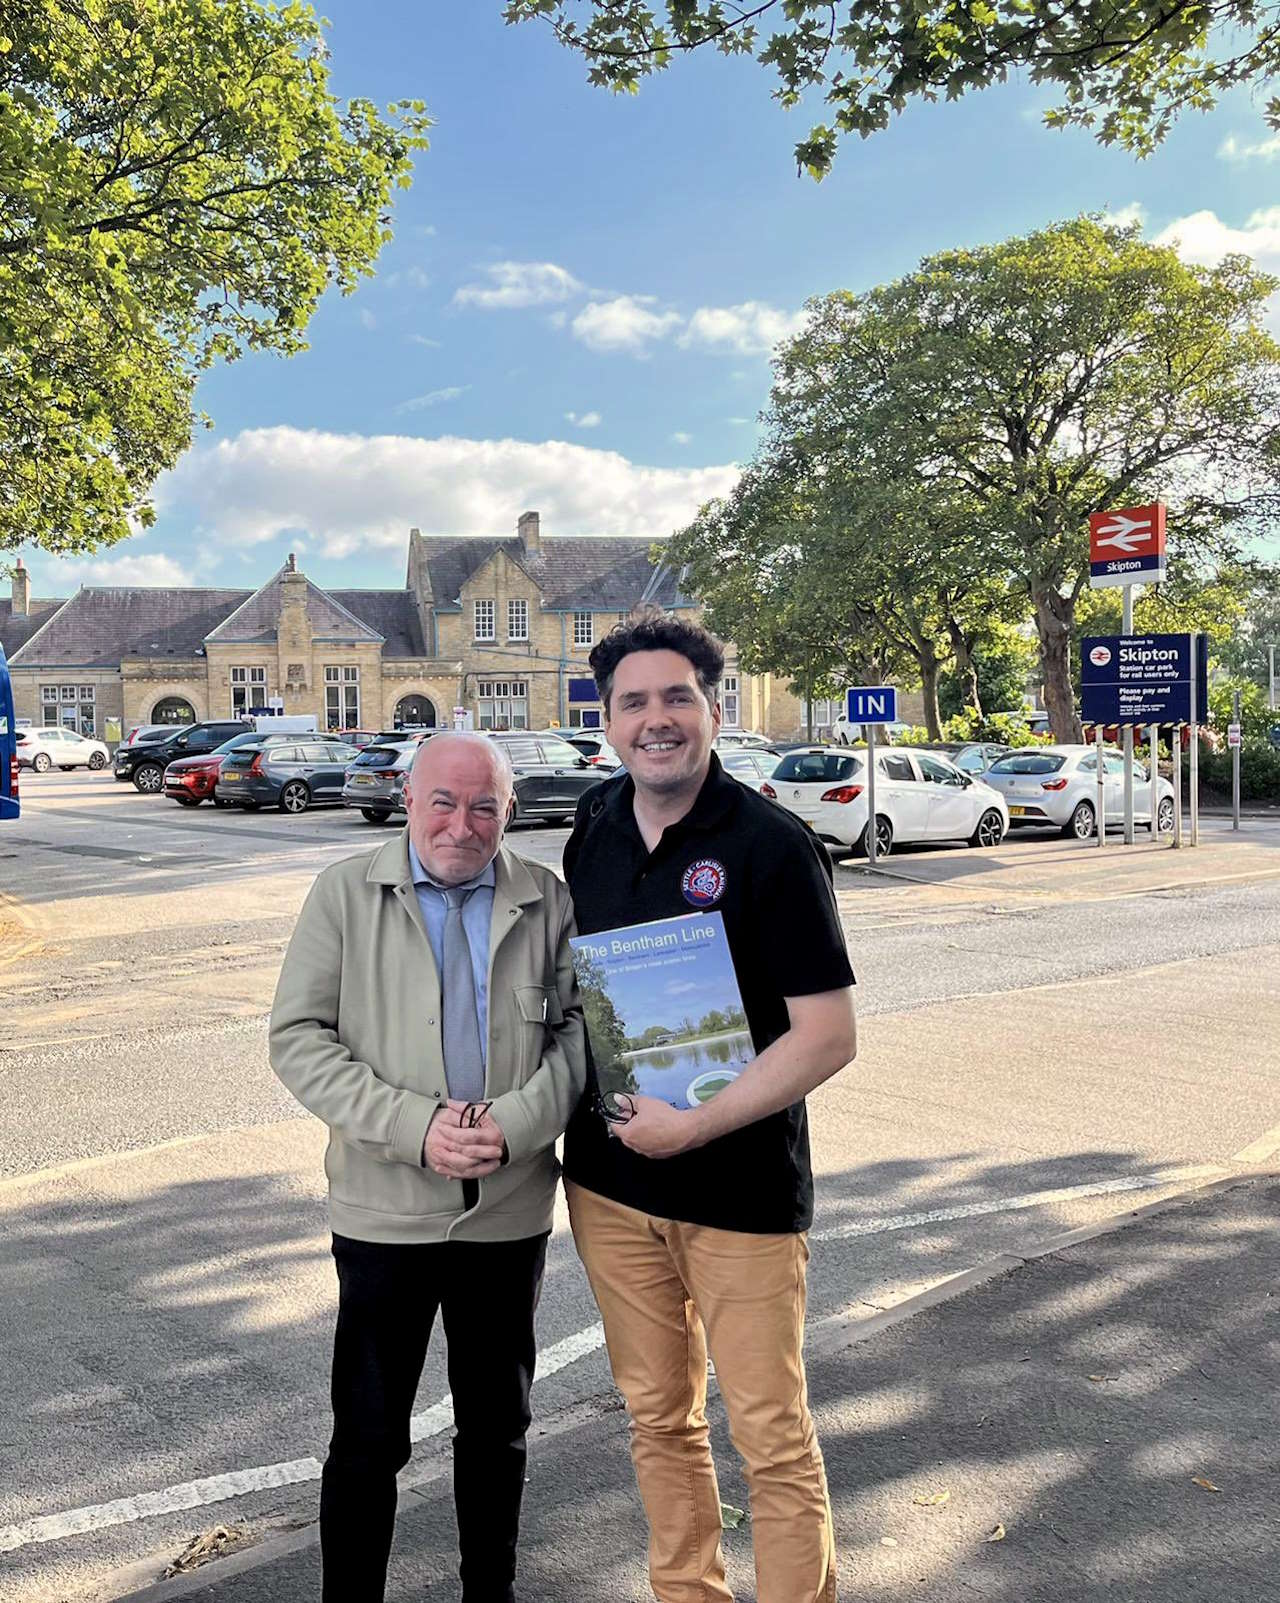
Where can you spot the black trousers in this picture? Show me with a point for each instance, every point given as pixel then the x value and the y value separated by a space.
pixel 388 1295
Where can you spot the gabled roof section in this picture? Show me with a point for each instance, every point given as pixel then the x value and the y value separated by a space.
pixel 586 573
pixel 100 626
pixel 393 614
pixel 254 621
pixel 16 628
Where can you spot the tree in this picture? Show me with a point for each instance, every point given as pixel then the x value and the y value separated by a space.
pixel 177 185
pixel 1125 69
pixel 1042 379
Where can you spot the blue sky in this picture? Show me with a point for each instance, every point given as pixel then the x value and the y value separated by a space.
pixel 577 310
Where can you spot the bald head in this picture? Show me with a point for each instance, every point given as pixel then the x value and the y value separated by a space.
pixel 457 796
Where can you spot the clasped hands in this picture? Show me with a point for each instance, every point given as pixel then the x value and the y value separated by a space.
pixel 464 1141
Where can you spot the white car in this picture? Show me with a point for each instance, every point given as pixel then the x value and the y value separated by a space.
pixel 1059 785
pixel 43 749
pixel 919 797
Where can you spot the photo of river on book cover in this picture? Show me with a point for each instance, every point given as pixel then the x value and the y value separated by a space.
pixel 663 1009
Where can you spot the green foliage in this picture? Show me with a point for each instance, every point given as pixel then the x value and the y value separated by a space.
pixel 1124 70
pixel 177 185
pixel 1004 660
pixel 1256 718
pixel 1259 771
pixel 605 1029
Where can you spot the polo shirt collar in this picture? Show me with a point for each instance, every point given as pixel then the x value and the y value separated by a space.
pixel 486 877
pixel 717 797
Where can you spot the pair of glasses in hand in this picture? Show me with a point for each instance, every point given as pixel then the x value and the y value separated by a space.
pixel 472 1114
pixel 615 1107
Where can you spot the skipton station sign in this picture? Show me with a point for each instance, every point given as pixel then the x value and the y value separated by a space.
pixel 1144 679
pixel 1127 547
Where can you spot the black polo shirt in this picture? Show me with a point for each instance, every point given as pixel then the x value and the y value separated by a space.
pixel 741 855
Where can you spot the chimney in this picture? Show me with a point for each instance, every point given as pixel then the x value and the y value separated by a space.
pixel 528 528
pixel 22 588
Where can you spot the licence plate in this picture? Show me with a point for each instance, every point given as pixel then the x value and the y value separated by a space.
pixel 233 774
pixel 363 779
pixel 1017 812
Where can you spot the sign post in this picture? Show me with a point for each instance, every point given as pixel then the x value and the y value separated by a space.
pixel 1154 786
pixel 1233 740
pixel 1126 627
pixel 1193 764
pixel 1175 750
pixel 1101 805
pixel 870 706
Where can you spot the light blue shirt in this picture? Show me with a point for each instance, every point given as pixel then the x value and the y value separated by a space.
pixel 477 915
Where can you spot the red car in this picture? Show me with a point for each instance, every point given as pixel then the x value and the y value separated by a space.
pixel 192 780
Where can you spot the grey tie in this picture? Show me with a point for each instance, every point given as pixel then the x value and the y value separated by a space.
pixel 463 1059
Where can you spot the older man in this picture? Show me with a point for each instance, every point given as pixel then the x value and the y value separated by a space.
pixel 426 1011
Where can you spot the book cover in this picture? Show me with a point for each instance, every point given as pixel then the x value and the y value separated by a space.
pixel 663 1009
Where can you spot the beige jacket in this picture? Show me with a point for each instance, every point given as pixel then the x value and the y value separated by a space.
pixel 355 1035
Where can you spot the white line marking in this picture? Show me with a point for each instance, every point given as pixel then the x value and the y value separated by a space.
pixel 439 1417
pixel 1257 1152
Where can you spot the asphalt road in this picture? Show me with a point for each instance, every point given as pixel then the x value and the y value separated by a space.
pixel 1045 1035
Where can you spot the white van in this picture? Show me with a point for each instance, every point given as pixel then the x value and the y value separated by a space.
pixel 299 723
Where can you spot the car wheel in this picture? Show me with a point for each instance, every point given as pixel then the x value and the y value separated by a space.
pixel 990 830
pixel 884 837
pixel 1082 823
pixel 374 815
pixel 41 762
pixel 295 797
pixel 1164 815
pixel 148 778
pixel 96 761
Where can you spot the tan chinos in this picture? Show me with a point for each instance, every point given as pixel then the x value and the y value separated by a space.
pixel 668 1292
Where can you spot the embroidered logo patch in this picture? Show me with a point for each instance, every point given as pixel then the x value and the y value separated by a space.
pixel 703 882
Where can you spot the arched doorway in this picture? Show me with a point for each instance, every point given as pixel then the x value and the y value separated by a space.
pixel 415 712
pixel 173 710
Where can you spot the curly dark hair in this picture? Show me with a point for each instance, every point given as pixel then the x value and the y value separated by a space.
pixel 651 629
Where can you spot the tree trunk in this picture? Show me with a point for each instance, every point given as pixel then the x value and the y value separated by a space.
pixel 1055 614
pixel 965 665
pixel 929 688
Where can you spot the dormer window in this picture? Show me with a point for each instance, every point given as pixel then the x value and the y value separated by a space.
pixel 485 620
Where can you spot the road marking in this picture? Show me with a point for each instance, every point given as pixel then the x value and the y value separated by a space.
pixel 1266 1146
pixel 438 1417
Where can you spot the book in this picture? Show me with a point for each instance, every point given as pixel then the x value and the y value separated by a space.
pixel 663 1009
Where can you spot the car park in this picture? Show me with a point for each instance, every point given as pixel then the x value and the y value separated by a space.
pixel 289 772
pixel 191 780
pixel 374 781
pixel 919 797
pixel 41 749
pixel 972 757
pixel 590 743
pixel 740 739
pixel 550 774
pixel 1058 786
pixel 143 734
pixel 750 767
pixel 145 763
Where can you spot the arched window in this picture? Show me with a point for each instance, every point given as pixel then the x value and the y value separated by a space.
pixel 419 711
pixel 173 710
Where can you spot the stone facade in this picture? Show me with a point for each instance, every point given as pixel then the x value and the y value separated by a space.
pixel 499 627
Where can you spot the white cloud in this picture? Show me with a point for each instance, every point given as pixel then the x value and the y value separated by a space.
pixel 143 568
pixel 584 420
pixel 681 438
pixel 519 284
pixel 423 339
pixel 1134 212
pixel 1203 237
pixel 408 278
pixel 625 323
pixel 351 493
pixel 751 329
pixel 1232 150
pixel 367 319
pixel 419 403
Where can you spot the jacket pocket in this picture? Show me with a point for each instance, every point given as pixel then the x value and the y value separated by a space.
pixel 539 1009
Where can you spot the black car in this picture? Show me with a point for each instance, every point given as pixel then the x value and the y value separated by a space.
pixel 291 774
pixel 145 764
pixel 549 774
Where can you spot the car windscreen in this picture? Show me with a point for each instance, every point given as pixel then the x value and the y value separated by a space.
pixel 1028 762
pixel 816 767
pixel 379 757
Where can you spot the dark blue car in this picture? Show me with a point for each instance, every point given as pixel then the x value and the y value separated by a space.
pixel 290 775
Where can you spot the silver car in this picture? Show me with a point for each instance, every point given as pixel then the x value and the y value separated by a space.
pixel 374 782
pixel 1058 785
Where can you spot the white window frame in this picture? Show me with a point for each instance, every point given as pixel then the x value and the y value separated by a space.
pixel 488 612
pixel 244 682
pixel 518 619
pixel 583 634
pixel 502 704
pixel 341 697
pixel 72 707
pixel 730 702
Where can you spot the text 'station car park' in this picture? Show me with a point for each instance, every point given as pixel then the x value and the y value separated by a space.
pixel 1059 785
pixel 375 780
pixel 289 773
pixel 145 763
pixel 919 797
pixel 549 774
pixel 43 749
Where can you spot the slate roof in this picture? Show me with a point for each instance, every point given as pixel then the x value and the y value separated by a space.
pixel 101 625
pixel 255 619
pixel 391 613
pixel 598 573
pixel 17 628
